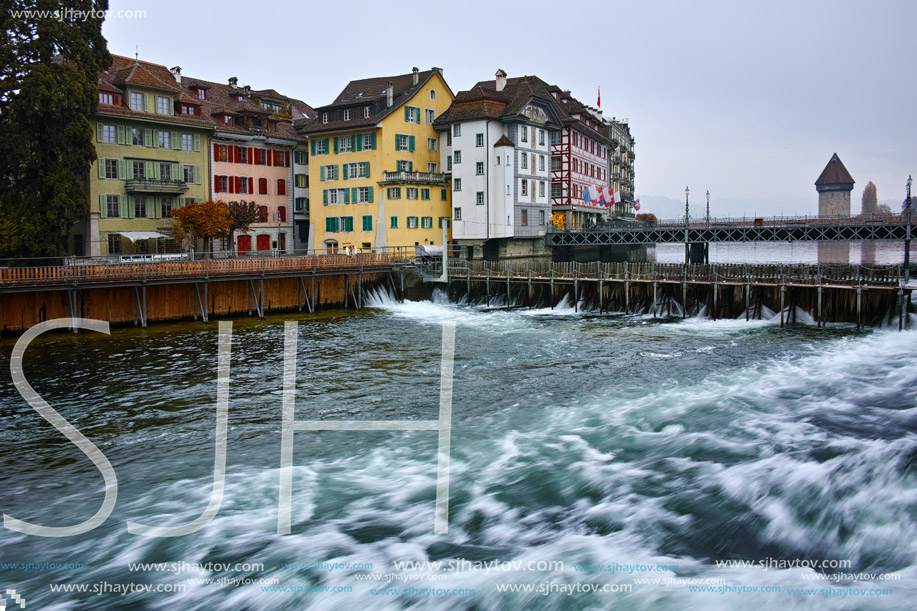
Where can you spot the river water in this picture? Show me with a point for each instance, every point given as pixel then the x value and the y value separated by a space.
pixel 577 438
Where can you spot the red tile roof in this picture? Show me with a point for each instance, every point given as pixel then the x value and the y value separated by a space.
pixel 834 173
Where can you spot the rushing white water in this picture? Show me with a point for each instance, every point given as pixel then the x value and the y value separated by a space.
pixel 577 437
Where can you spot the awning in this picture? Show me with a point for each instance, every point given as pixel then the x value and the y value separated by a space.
pixel 141 235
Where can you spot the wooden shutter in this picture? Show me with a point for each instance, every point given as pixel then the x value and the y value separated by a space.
pixel 346 196
pixel 348 223
pixel 397 141
pixel 176 140
pixel 325 197
pixel 251 155
pixel 321 173
pixel 216 184
pixel 335 145
pixel 196 144
pixel 148 137
pixel 354 196
pixel 411 144
pixel 312 146
pixel 358 143
pixel 369 195
pixel 119 134
pixel 251 184
pixel 366 165
pixel 124 172
pixel 216 151
pixel 286 159
pixel 101 163
pixel 407 114
pixel 126 210
pixel 373 140
pixel 99 130
pixel 103 206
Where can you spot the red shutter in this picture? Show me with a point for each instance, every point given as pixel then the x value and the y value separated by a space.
pixel 216 182
pixel 251 154
pixel 216 151
pixel 286 158
pixel 232 184
pixel 267 154
pixel 251 184
pixel 262 186
pixel 282 212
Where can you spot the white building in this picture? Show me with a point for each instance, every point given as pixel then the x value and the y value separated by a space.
pixel 495 140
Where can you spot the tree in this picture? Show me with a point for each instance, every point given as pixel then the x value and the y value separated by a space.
pixel 49 66
pixel 884 209
pixel 205 220
pixel 242 214
pixel 870 199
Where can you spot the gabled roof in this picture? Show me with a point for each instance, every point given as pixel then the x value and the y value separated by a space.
pixel 126 71
pixel 483 101
pixel 834 173
pixel 503 141
pixel 371 92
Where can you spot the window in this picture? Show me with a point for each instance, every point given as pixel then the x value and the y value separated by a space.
pixel 165 171
pixel 449 163
pixel 243 185
pixel 329 172
pixel 431 167
pixel 457 214
pixel 541 189
pixel 541 137
pixel 457 184
pixel 525 187
pixel 367 222
pixel 498 159
pixel 393 193
pixel 281 186
pixel 479 168
pixel 443 194
pixel 300 157
pixel 136 136
pixel 301 181
pixel 107 99
pixel 425 194
pixel 479 198
pixel 426 222
pixel 321 146
pixel 448 138
pixel 404 142
pixel 345 144
pixel 222 184
pixel 429 115
pixel 368 142
pixel 393 222
pixel 162 105
pixel 524 133
pixel 541 217
pixel 411 114
pixel 525 217
pixel 164 140
pixel 412 222
pixel 241 154
pixel 137 101
pixel 227 119
pixel 113 206
pixel 301 204
pixel 523 161
pixel 282 214
pixel 140 207
pixel 347 114
pixel 366 112
pixel 324 117
pixel 411 192
pixel 431 144
pixel 262 186
pixel 109 134
pixel 443 221
pixel 557 190
pixel 432 94
pixel 188 173
pixel 457 130
pixel 221 153
pixel 111 168
pixel 201 93
pixel 187 142
pixel 165 207
pixel 457 157
pixel 363 195
pixel 114 243
pixel 404 166
pixel 138 170
pixel 541 163
pixel 479 140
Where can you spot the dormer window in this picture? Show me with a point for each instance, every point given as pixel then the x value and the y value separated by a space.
pixel 239 97
pixel 324 117
pixel 347 114
pixel 201 93
pixel 110 99
pixel 137 101
pixel 163 105
pixel 227 119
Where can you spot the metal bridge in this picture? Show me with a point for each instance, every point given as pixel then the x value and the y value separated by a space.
pixel 771 229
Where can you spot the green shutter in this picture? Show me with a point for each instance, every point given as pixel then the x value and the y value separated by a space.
pixel 442 194
pixel 99 129
pixel 411 163
pixel 346 196
pixel 147 102
pixel 344 170
pixel 103 206
pixel 312 145
pixel 197 174
pixel 348 223
pixel 176 141
pixel 373 140
pixel 359 142
pixel 354 196
pixel 411 143
pixel 124 170
pixel 119 134
pixel 366 165
pixel 152 170
pixel 397 139
pixel 101 164
pixel 197 142
pixel 328 220
pixel 321 174
pixel 148 137
pixel 369 195
pixel 394 222
pixel 124 204
pixel 335 145
pixel 325 197
pixel 407 114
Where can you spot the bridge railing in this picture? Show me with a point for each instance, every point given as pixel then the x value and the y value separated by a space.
pixel 849 275
pixel 88 274
pixel 744 221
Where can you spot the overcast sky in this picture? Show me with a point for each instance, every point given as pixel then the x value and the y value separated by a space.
pixel 748 99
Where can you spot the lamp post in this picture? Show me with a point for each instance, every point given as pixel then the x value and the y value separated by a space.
pixel 708 208
pixel 907 238
pixel 687 213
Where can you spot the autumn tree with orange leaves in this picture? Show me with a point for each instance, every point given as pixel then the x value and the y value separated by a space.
pixel 207 220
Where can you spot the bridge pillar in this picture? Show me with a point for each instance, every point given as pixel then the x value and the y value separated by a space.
pixel 698 253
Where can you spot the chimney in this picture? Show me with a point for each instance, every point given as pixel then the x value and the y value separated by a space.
pixel 501 80
pixel 248 91
pixel 416 76
pixel 389 95
pixel 233 82
pixel 176 72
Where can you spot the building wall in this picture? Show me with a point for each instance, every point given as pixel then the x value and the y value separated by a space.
pixel 94 233
pixel 384 158
pixel 273 199
pixel 537 150
pixel 301 200
pixel 834 203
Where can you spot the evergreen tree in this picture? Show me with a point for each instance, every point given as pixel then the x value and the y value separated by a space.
pixel 50 56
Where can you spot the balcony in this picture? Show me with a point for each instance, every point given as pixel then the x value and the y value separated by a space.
pixel 415 178
pixel 153 185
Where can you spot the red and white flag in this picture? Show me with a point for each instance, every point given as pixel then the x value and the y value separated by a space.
pixel 599 101
pixel 637 205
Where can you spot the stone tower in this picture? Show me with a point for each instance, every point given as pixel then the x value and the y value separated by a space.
pixel 834 186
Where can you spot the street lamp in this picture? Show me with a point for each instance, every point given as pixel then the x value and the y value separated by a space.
pixel 687 213
pixel 708 208
pixel 907 238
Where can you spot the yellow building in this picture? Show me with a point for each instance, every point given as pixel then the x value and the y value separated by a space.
pixel 374 174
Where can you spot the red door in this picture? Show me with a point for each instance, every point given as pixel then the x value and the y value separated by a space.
pixel 264 242
pixel 244 244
